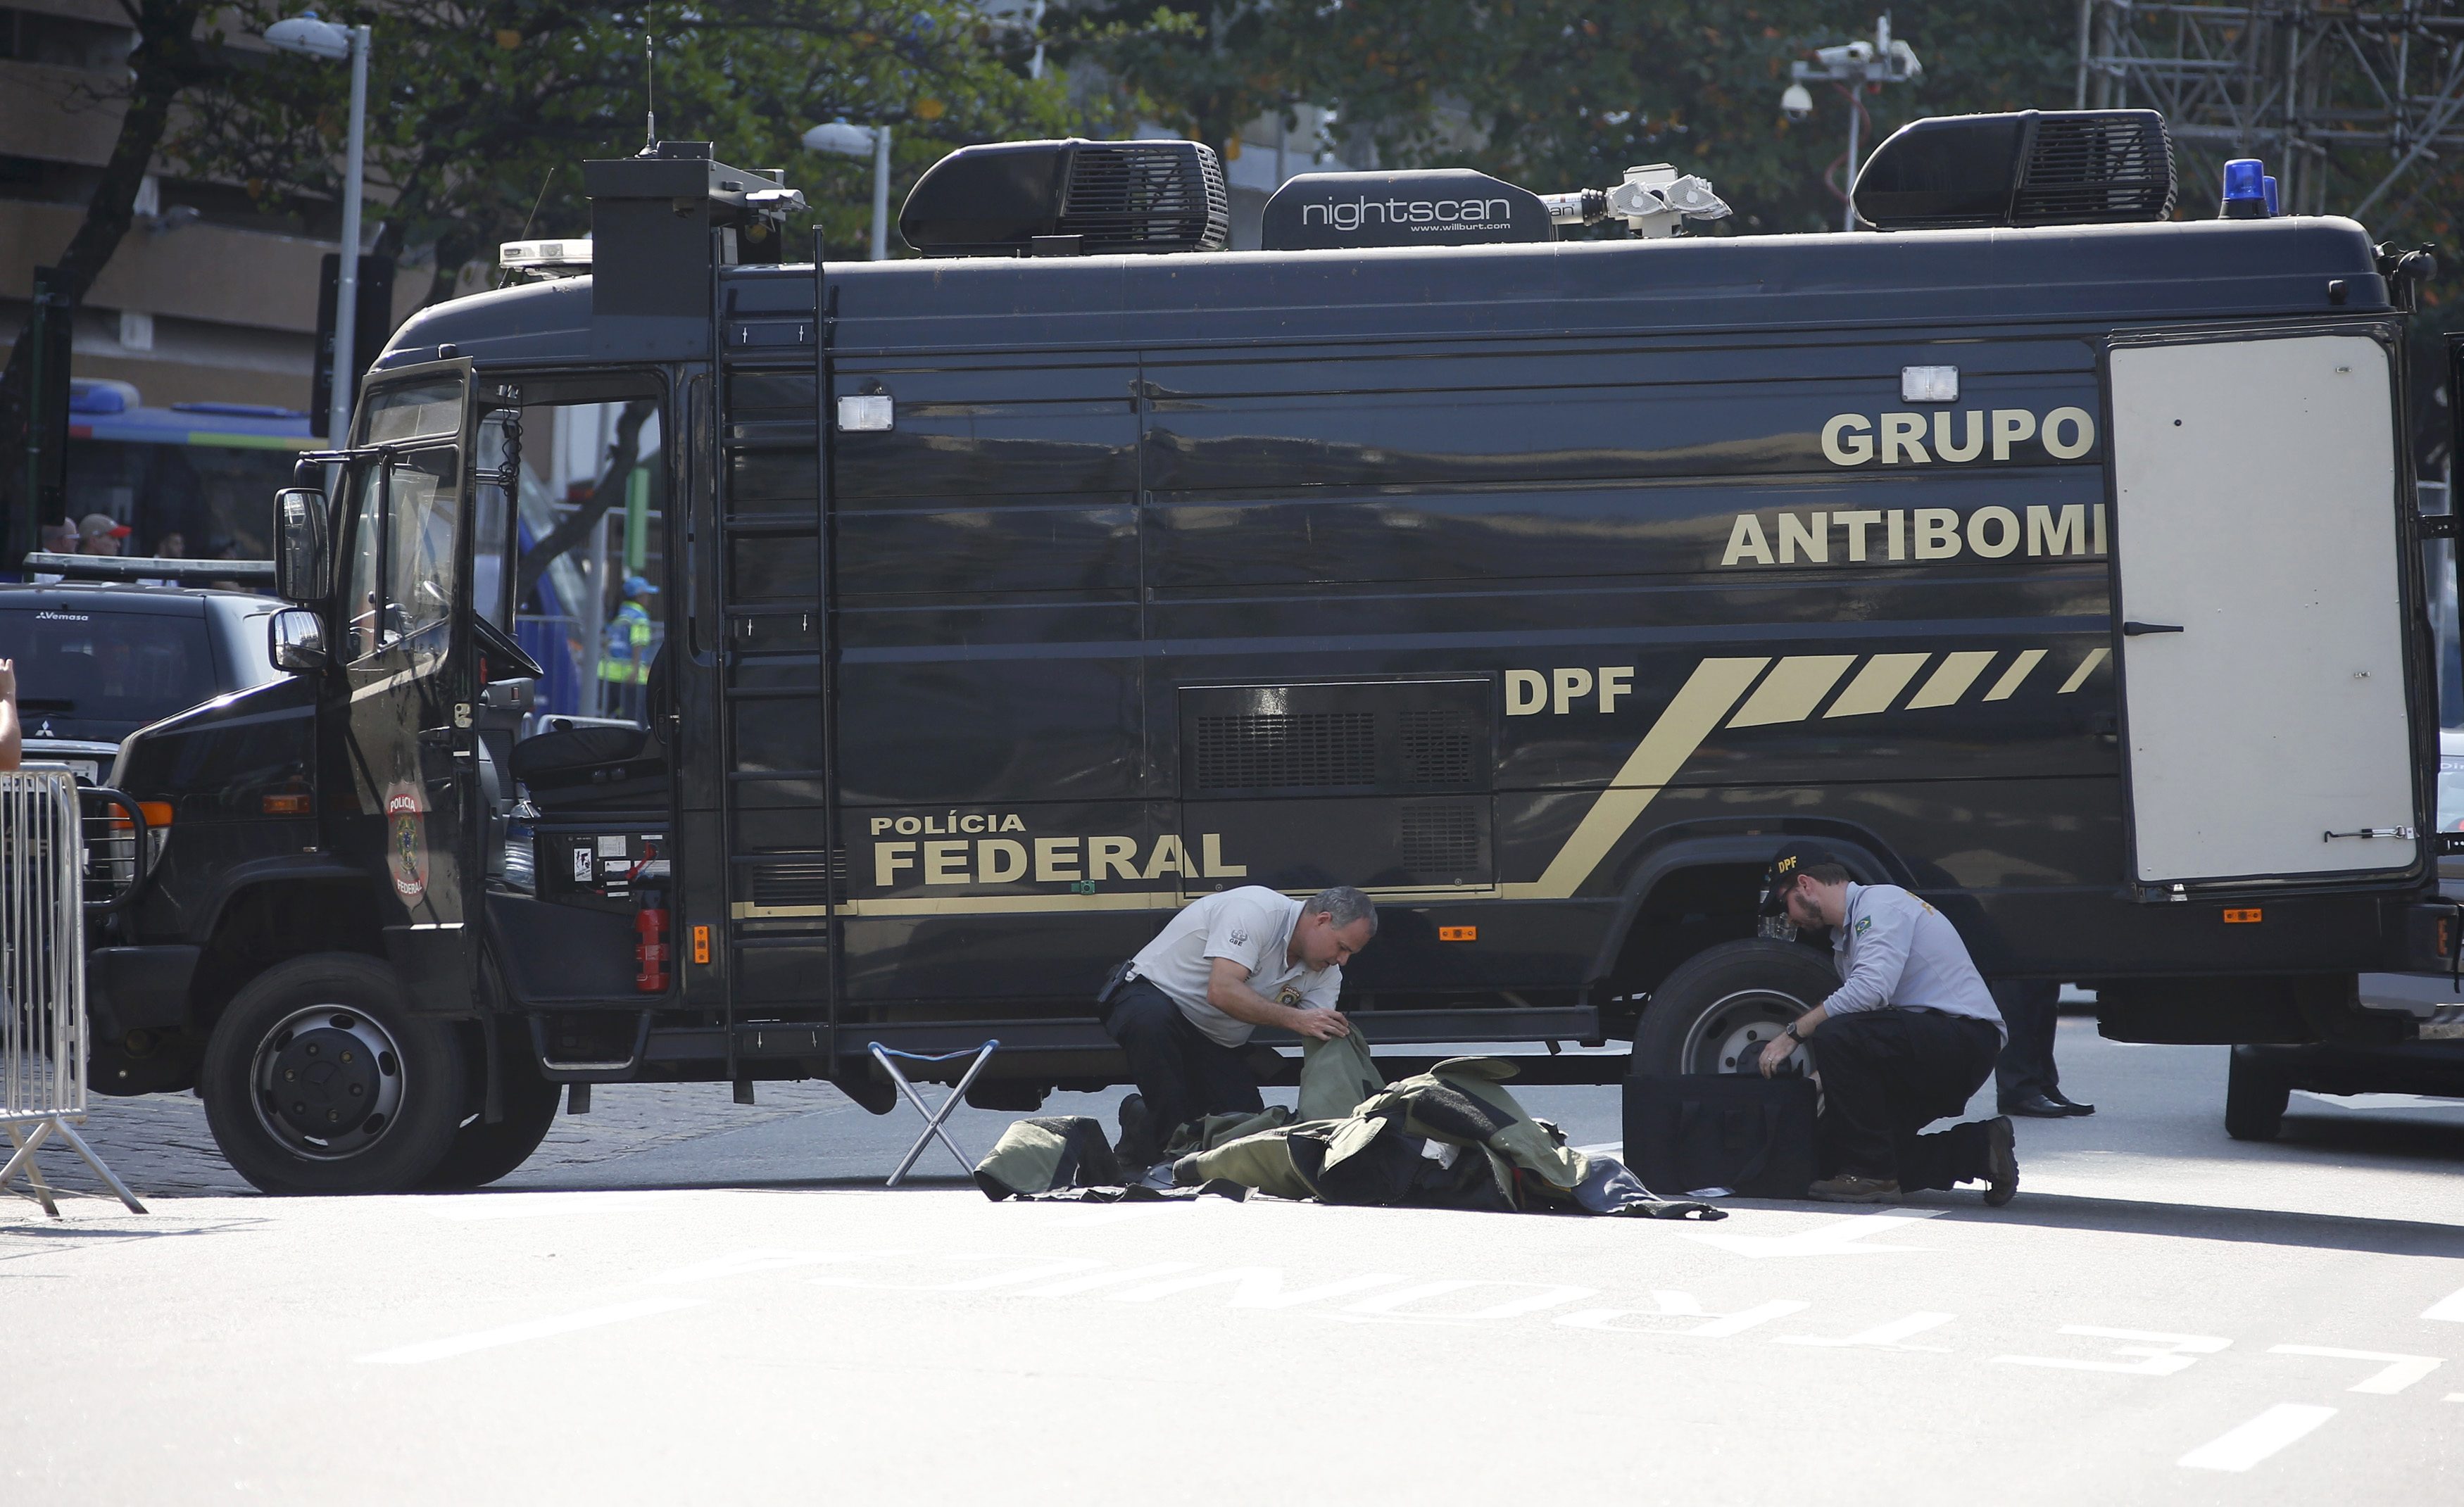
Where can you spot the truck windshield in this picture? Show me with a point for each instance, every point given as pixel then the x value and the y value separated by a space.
pixel 97 665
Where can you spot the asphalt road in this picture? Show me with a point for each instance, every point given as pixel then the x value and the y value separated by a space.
pixel 685 1300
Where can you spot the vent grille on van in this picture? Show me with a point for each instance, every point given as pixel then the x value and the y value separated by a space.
pixel 1438 747
pixel 797 880
pixel 1403 737
pixel 1309 750
pixel 1164 197
pixel 2106 165
pixel 1439 843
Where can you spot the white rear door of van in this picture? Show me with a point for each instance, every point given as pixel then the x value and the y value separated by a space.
pixel 2261 612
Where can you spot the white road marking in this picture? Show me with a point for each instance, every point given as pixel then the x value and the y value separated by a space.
pixel 1549 1296
pixel 2401 1372
pixel 1881 1337
pixel 2450 1308
pixel 745 1263
pixel 1118 1274
pixel 1603 1149
pixel 1681 1306
pixel 2159 1354
pixel 1847 1237
pixel 2239 1448
pixel 1255 1287
pixel 534 1329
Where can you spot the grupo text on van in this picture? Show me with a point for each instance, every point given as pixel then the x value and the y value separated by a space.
pixel 1967 434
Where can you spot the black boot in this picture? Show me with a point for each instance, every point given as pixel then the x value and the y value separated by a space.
pixel 1136 1150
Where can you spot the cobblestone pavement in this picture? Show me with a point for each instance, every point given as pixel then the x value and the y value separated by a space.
pixel 159 1146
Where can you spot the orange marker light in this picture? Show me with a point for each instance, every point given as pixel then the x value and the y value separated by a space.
pixel 1458 933
pixel 701 945
pixel 2242 918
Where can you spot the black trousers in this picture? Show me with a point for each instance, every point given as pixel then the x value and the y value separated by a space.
pixel 1184 1073
pixel 1886 1074
pixel 2030 1008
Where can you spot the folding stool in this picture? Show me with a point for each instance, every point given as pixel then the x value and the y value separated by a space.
pixel 932 1118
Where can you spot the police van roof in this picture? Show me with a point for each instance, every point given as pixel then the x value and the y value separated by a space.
pixel 2099 273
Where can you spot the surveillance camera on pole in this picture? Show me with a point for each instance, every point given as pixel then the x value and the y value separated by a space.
pixel 1851 65
pixel 861 141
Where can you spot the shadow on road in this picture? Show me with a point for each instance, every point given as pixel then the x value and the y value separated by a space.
pixel 2197 1222
pixel 2409 1138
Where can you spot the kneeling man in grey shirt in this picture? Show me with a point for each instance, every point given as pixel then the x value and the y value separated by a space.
pixel 1224 966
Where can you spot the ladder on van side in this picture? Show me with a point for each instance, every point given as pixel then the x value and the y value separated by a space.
pixel 786 872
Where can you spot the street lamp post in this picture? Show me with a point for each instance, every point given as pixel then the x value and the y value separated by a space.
pixel 1851 65
pixel 310 38
pixel 861 141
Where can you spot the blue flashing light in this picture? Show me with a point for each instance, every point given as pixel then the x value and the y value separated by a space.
pixel 2245 189
pixel 2272 210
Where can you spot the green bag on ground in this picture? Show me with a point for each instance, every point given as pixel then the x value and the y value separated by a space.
pixel 1335 1076
pixel 1451 1137
pixel 1034 1156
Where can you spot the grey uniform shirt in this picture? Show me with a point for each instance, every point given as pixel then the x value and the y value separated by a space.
pixel 1252 925
pixel 1894 949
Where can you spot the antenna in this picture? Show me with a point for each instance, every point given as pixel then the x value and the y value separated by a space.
pixel 650 96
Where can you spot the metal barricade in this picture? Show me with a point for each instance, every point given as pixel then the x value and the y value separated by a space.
pixel 42 977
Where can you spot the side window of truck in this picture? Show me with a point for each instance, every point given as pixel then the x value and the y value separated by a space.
pixel 402 508
pixel 360 598
pixel 419 548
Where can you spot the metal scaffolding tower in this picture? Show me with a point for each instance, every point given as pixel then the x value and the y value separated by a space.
pixel 2354 106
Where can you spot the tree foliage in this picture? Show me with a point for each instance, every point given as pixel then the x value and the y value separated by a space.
pixel 1558 94
pixel 482 113
pixel 170 58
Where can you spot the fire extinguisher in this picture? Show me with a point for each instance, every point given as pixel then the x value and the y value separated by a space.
pixel 651 943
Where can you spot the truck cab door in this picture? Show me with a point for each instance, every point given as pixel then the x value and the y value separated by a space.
pixel 409 740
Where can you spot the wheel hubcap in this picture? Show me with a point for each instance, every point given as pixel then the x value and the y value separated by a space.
pixel 1730 1036
pixel 328 1082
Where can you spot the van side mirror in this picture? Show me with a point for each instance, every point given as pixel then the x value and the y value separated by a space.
pixel 303 555
pixel 295 640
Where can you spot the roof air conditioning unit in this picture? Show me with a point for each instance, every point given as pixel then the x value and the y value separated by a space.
pixel 2029 168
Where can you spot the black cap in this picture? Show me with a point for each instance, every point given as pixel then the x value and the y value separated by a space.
pixel 1786 865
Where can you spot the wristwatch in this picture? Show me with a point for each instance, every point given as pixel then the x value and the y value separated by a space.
pixel 1790 1032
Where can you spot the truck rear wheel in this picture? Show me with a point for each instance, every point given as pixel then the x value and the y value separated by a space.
pixel 2255 1096
pixel 319 1080
pixel 1718 1009
pixel 483 1152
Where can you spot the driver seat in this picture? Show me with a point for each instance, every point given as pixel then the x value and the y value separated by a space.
pixel 571 768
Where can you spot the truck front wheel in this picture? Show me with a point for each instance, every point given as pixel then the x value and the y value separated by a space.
pixel 1718 1009
pixel 319 1080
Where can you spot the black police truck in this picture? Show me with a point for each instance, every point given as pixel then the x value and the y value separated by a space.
pixel 2044 553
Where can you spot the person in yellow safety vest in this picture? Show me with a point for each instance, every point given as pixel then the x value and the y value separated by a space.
pixel 624 659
